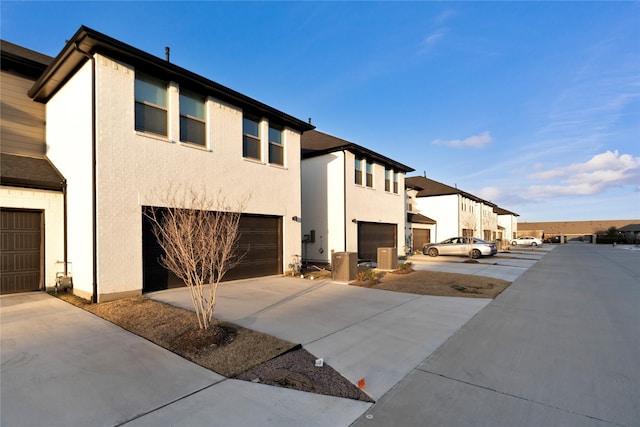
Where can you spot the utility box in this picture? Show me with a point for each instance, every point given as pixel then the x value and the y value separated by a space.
pixel 344 266
pixel 387 258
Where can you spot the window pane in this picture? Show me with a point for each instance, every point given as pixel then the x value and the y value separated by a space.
pixel 192 131
pixel 251 147
pixel 151 119
pixel 275 135
pixel 359 177
pixel 192 105
pixel 275 154
pixel 250 127
pixel 151 90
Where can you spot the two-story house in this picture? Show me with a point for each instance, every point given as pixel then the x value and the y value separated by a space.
pixel 32 190
pixel 458 213
pixel 353 199
pixel 124 126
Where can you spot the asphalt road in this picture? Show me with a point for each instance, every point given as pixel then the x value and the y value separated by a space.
pixel 561 347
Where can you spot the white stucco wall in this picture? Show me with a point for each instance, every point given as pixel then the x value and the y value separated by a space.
pixel 324 188
pixel 323 205
pixel 445 211
pixel 135 169
pixel 51 203
pixel 68 136
pixel 510 224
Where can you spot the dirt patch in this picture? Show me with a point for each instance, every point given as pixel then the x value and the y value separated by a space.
pixel 439 284
pixel 225 348
pixel 297 369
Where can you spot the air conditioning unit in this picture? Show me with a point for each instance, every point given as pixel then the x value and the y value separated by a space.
pixel 344 266
pixel 387 258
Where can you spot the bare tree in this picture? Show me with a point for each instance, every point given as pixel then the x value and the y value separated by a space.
pixel 468 232
pixel 199 235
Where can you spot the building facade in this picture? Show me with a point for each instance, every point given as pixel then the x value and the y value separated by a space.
pixel 127 129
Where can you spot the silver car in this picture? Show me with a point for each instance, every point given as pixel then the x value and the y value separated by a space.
pixel 461 246
pixel 527 241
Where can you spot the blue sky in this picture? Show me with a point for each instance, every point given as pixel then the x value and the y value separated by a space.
pixel 534 106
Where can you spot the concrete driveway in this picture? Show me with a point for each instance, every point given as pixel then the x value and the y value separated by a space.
pixel 64 366
pixel 378 335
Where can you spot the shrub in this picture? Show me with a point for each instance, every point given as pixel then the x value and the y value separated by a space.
pixel 405 266
pixel 365 276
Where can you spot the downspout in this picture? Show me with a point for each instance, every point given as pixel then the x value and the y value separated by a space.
pixel 94 297
pixel 344 199
pixel 65 229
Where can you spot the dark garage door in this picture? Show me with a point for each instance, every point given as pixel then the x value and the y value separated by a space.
pixel 420 238
pixel 260 238
pixel 21 263
pixel 373 235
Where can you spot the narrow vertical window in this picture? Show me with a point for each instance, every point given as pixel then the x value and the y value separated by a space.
pixel 276 148
pixel 251 138
pixel 151 104
pixel 369 174
pixel 396 179
pixel 387 180
pixel 192 121
pixel 358 167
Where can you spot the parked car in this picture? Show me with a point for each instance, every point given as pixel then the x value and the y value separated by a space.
pixel 526 241
pixel 461 246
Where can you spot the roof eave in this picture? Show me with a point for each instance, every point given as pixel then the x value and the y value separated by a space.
pixel 91 41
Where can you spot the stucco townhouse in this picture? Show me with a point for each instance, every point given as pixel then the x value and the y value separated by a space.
pixel 31 188
pixel 353 199
pixel 124 126
pixel 458 213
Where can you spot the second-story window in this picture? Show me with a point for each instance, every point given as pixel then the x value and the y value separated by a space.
pixel 276 148
pixel 387 179
pixel 359 167
pixel 396 179
pixel 369 174
pixel 251 138
pixel 192 122
pixel 151 104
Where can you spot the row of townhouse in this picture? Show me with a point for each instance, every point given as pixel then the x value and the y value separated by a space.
pixel 453 212
pixel 92 138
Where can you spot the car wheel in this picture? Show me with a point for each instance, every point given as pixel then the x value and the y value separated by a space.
pixel 433 252
pixel 534 244
pixel 475 254
pixel 514 243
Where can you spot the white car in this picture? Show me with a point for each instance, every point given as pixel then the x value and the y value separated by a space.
pixel 526 241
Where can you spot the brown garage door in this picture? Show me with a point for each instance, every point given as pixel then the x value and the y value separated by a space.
pixel 260 239
pixel 420 238
pixel 373 235
pixel 21 265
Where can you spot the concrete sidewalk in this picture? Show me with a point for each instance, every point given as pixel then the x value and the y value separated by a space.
pixel 559 347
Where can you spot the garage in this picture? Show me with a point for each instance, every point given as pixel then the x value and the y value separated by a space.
pixel 421 237
pixel 260 240
pixel 22 262
pixel 374 235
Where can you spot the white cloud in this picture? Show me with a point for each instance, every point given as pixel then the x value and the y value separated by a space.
pixel 429 42
pixel 474 141
pixel 445 15
pixel 602 171
pixel 605 171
